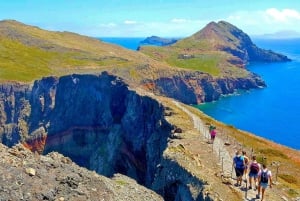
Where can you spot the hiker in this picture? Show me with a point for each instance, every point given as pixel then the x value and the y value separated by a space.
pixel 211 127
pixel 254 169
pixel 239 165
pixel 213 134
pixel 264 178
pixel 246 159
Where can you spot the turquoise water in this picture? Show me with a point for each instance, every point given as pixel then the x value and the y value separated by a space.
pixel 272 112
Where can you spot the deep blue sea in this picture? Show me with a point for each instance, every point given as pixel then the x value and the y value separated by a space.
pixel 272 112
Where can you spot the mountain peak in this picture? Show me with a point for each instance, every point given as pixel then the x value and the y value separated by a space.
pixel 223 36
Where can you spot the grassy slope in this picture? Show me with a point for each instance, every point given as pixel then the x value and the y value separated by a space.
pixel 205 55
pixel 28 53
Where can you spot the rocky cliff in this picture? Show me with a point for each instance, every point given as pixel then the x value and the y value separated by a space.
pixel 99 124
pixel 115 129
pixel 197 87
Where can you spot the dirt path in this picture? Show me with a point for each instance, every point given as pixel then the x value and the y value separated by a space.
pixel 225 153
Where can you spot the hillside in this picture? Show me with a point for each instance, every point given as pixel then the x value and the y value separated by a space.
pixel 28 53
pixel 219 49
pixel 34 53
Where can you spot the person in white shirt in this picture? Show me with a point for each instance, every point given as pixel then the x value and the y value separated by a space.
pixel 264 178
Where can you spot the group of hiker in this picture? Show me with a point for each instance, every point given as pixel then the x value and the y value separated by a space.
pixel 259 176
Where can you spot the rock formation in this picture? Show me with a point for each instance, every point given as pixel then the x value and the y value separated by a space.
pixel 197 87
pixel 99 124
pixel 155 40
pixel 29 176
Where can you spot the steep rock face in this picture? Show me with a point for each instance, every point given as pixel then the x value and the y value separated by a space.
pixel 14 112
pixel 101 125
pixel 195 88
pixel 175 183
pixel 115 129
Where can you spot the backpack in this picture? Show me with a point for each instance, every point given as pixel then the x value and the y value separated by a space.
pixel 254 168
pixel 246 160
pixel 239 162
pixel 264 177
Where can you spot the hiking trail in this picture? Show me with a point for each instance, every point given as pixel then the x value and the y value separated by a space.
pixel 220 150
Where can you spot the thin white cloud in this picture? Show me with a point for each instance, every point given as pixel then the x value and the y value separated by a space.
pixel 285 15
pixel 266 21
pixel 175 27
pixel 257 22
pixel 111 24
pixel 178 20
pixel 130 22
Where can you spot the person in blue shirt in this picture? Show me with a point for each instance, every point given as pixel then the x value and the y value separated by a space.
pixel 239 165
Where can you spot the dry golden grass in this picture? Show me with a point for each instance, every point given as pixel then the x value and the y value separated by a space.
pixel 268 152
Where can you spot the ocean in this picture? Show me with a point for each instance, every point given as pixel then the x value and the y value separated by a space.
pixel 129 43
pixel 272 112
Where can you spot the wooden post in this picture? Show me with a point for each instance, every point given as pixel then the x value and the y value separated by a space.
pixel 222 165
pixel 277 172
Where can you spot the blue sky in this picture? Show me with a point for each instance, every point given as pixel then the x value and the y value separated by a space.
pixel 141 18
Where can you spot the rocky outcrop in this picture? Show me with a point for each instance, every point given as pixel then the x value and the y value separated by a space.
pixel 197 87
pixel 30 176
pixel 99 124
pixel 155 40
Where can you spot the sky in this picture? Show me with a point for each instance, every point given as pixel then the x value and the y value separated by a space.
pixel 164 18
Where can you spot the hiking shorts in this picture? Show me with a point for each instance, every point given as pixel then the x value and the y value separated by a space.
pixel 239 172
pixel 264 185
pixel 254 175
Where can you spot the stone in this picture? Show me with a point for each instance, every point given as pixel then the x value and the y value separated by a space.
pixel 30 171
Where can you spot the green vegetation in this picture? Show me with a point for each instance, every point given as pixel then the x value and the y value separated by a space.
pixel 204 63
pixel 292 192
pixel 121 182
pixel 273 153
pixel 288 178
pixel 204 52
pixel 24 63
pixel 28 53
